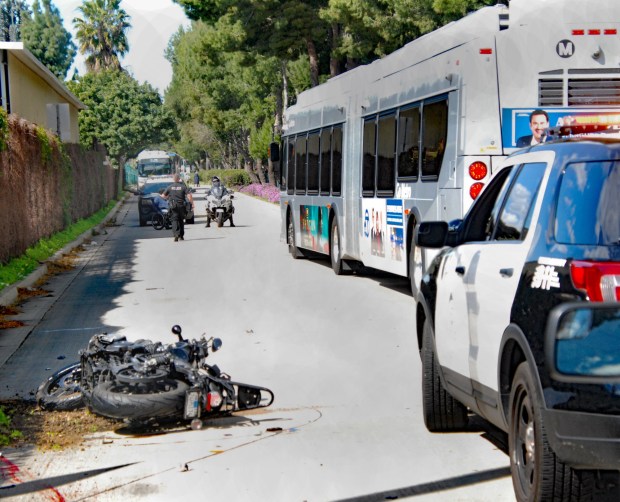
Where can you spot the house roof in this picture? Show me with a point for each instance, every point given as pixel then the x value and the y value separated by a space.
pixel 28 59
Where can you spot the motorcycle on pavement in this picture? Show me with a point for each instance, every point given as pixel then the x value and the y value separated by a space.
pixel 145 381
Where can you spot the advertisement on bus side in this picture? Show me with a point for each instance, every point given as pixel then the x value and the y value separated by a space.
pixel 523 127
pixel 382 243
pixel 314 227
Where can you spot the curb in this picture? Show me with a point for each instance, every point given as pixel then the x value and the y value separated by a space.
pixel 10 293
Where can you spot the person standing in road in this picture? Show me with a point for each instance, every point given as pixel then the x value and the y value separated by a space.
pixel 196 178
pixel 176 194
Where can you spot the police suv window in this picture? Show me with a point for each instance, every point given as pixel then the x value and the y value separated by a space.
pixel 516 213
pixel 588 210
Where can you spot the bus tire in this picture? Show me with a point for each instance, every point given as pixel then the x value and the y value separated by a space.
pixel 335 251
pixel 416 267
pixel 290 238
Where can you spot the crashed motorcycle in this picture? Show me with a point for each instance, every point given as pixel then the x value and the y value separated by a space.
pixel 220 206
pixel 146 381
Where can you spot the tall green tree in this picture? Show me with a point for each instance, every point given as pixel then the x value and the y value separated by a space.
pixel 122 114
pixel 12 14
pixel 233 70
pixel 221 87
pixel 101 33
pixel 47 39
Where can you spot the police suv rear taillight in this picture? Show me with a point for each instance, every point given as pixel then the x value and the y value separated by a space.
pixel 599 280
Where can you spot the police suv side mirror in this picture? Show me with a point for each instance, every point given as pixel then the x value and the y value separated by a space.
pixel 582 343
pixel 431 234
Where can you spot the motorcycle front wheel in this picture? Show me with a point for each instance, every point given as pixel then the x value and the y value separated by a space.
pixel 220 219
pixel 61 391
pixel 139 403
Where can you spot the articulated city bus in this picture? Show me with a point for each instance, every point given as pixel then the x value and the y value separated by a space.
pixel 154 164
pixel 416 135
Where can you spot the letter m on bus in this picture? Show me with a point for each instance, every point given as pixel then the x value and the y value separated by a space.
pixel 565 48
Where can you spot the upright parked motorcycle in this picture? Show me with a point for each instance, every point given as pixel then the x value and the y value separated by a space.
pixel 144 381
pixel 220 206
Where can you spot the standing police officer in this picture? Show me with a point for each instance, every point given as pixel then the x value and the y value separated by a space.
pixel 176 194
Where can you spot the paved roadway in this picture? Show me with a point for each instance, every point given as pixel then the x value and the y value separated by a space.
pixel 338 352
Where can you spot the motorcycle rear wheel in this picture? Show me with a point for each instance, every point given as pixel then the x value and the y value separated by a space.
pixel 139 403
pixel 61 391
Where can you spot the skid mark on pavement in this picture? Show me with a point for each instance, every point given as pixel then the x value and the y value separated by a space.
pixel 186 465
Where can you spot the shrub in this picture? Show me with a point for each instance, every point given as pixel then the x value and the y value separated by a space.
pixel 230 177
pixel 268 192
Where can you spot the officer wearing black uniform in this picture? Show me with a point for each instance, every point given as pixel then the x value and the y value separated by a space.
pixel 176 194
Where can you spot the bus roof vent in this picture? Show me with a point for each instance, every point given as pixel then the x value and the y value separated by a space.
pixel 594 92
pixel 550 92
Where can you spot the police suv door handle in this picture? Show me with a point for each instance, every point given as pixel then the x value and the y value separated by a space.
pixel 460 270
pixel 506 272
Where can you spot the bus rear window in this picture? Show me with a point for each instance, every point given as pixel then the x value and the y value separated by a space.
pixel 408 143
pixel 434 132
pixel 588 210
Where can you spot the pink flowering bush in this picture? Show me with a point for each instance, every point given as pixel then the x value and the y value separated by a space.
pixel 268 192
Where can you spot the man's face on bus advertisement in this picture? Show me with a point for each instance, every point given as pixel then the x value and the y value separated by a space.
pixel 538 124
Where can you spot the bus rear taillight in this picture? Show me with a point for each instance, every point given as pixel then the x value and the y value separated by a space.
pixel 475 189
pixel 478 170
pixel 600 281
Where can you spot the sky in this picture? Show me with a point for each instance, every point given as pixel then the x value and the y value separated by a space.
pixel 153 22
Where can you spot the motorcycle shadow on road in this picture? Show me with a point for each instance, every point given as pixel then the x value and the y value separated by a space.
pixel 213 423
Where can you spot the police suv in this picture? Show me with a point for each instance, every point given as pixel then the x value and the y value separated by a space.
pixel 515 315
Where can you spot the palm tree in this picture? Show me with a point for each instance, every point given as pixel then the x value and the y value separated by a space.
pixel 101 33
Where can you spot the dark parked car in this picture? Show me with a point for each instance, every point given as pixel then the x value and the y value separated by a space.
pixel 544 234
pixel 146 193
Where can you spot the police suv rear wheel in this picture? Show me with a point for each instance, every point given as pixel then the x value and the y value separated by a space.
pixel 537 473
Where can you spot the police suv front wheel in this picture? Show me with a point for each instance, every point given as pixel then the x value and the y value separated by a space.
pixel 442 412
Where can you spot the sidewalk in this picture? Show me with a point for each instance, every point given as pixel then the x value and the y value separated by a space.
pixel 12 338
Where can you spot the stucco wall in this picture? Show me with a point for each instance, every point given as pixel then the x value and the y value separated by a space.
pixel 30 95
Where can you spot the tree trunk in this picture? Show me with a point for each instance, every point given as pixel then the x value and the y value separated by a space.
pixel 284 86
pixel 258 167
pixel 334 62
pixel 314 62
pixel 251 173
pixel 271 174
pixel 279 95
